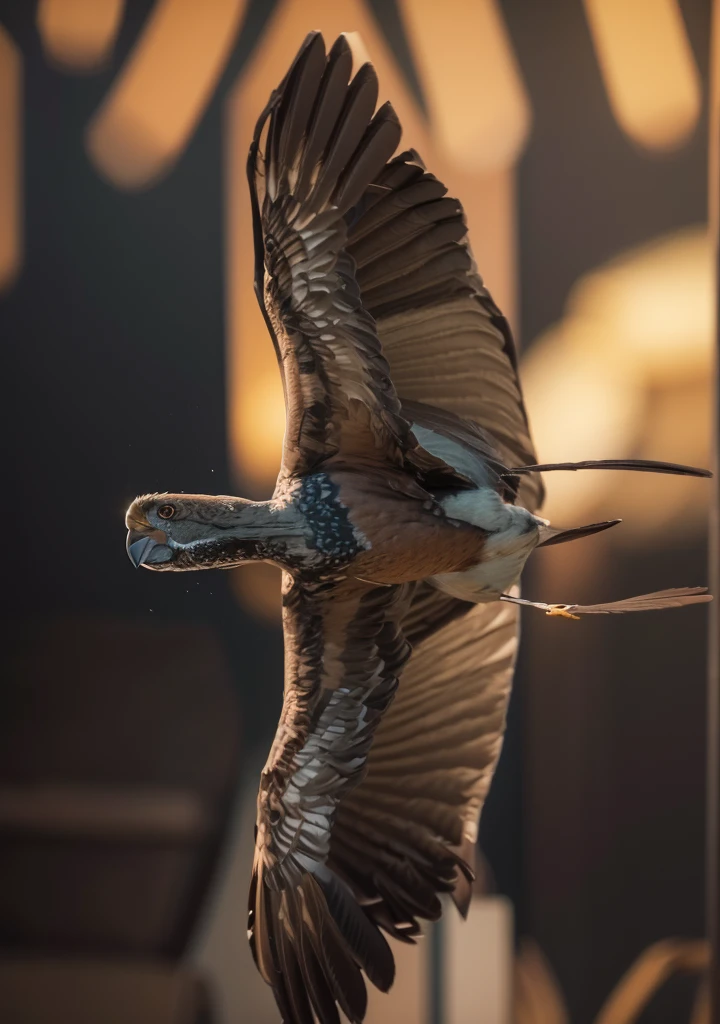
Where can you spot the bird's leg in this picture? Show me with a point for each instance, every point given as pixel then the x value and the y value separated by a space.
pixel 676 597
pixel 561 611
pixel 557 610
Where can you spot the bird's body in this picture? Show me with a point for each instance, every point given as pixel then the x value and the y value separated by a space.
pixel 381 525
pixel 404 512
pixel 383 529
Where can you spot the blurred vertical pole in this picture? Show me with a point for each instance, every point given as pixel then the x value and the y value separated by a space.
pixel 436 986
pixel 11 217
pixel 713 754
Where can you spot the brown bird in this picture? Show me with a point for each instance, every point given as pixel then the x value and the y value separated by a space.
pixel 402 517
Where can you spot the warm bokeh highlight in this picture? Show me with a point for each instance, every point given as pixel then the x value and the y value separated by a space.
pixel 648 67
pixel 480 117
pixel 626 374
pixel 78 35
pixel 159 96
pixel 10 159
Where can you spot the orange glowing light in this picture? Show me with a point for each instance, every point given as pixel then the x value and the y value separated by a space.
pixel 656 304
pixel 10 160
pixel 626 373
pixel 648 67
pixel 157 100
pixel 479 110
pixel 581 406
pixel 78 35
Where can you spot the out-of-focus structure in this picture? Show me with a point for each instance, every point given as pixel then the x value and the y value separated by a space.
pixel 10 159
pixel 628 370
pixel 79 35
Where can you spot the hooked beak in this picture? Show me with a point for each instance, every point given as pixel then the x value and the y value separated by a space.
pixel 147 548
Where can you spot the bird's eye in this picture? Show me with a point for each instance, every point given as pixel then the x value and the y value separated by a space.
pixel 166 511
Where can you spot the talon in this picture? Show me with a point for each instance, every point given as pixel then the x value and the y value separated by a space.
pixel 561 611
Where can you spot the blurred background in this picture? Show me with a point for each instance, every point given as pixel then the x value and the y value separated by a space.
pixel 136 709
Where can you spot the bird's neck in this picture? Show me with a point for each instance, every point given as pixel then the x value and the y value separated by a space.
pixel 260 519
pixel 261 531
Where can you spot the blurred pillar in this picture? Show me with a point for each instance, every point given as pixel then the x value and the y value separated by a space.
pixel 713 754
pixel 10 159
pixel 480 117
pixel 158 98
pixel 478 963
pixel 479 110
pixel 78 35
pixel 648 67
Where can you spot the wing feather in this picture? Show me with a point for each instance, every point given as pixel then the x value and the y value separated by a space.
pixel 446 341
pixel 345 651
pixel 317 147
pixel 414 816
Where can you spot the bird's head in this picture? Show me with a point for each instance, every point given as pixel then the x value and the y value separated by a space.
pixel 191 531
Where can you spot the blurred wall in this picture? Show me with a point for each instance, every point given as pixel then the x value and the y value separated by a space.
pixel 114 334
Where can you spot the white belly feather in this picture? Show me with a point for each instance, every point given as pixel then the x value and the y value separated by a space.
pixel 513 534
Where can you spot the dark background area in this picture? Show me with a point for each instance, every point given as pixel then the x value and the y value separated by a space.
pixel 113 349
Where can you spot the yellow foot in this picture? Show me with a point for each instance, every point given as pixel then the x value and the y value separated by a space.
pixel 561 611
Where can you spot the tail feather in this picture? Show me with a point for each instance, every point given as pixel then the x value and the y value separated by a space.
pixel 552 535
pixel 675 597
pixel 638 465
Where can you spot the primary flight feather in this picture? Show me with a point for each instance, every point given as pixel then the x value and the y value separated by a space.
pixel 404 512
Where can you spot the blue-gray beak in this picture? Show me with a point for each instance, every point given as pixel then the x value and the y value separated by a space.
pixel 147 548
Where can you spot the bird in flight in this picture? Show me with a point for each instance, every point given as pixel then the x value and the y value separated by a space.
pixel 403 515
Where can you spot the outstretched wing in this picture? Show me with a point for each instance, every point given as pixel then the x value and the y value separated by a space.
pixel 408 831
pixel 447 343
pixel 369 802
pixel 317 148
pixel 344 653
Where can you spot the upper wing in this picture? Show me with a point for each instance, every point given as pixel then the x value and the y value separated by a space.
pixel 447 343
pixel 317 147
pixel 451 354
pixel 341 853
pixel 408 831
pixel 310 938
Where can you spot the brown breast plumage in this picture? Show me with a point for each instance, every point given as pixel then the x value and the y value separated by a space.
pixel 408 535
